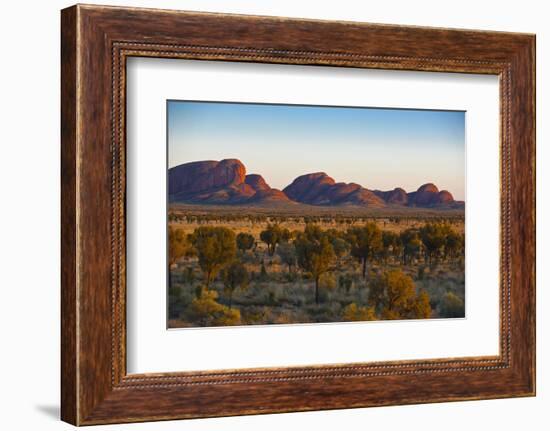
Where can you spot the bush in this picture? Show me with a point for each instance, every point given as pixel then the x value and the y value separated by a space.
pixel 206 311
pixel 394 293
pixel 354 313
pixel 451 306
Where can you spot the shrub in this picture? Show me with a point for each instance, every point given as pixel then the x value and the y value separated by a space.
pixel 451 306
pixel 354 313
pixel 394 293
pixel 206 311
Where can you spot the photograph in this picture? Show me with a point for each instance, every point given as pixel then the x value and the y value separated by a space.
pixel 288 214
pixel 306 215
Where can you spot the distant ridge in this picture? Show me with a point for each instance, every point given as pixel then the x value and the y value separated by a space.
pixel 225 182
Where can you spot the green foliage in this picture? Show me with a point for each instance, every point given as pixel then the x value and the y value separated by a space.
pixel 234 277
pixel 365 242
pixel 314 253
pixel 245 241
pixel 216 247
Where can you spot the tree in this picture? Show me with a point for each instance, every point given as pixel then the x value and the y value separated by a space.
pixel 234 277
pixel 339 244
pixel 287 254
pixel 393 293
pixel 314 253
pixel 422 308
pixel 178 245
pixel 390 241
pixel 216 247
pixel 454 244
pixel 245 241
pixel 400 291
pixel 271 236
pixel 365 242
pixel 285 235
pixel 353 313
pixel 433 236
pixel 411 244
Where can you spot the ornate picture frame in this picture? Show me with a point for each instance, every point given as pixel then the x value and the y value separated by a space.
pixel 96 41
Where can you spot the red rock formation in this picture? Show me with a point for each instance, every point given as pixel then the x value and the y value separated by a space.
pixel 223 182
pixel 310 188
pixel 364 197
pixel 226 182
pixel 320 189
pixel 428 195
pixel 198 177
pixel 397 196
pixel 445 197
pixel 257 182
pixel 270 196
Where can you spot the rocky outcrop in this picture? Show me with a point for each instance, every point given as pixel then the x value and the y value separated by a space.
pixel 197 177
pixel 396 196
pixel 445 197
pixel 270 196
pixel 428 195
pixel 223 182
pixel 257 182
pixel 226 182
pixel 320 189
pixel 309 188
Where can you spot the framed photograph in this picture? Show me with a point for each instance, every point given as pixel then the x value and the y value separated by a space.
pixel 266 215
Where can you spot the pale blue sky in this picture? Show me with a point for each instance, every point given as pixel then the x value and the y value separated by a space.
pixel 377 148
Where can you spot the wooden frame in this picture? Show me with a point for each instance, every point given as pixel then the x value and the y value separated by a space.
pixel 96 41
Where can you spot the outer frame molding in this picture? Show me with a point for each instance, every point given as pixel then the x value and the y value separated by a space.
pixel 95 43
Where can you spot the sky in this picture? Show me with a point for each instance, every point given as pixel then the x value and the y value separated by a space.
pixel 377 148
